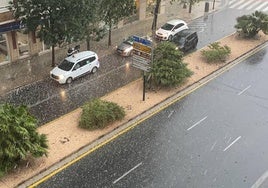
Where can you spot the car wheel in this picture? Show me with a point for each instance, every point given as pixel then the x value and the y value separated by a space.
pixel 69 80
pixel 94 70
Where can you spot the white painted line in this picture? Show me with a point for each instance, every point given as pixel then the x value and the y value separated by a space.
pixel 245 4
pixel 261 6
pixel 264 10
pixel 244 90
pixel 232 2
pixel 260 180
pixel 253 5
pixel 127 173
pixel 232 143
pixel 237 4
pixel 170 114
pixel 197 123
pixel 212 147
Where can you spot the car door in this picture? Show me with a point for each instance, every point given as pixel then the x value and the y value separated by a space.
pixel 91 63
pixel 177 28
pixel 79 69
pixel 187 44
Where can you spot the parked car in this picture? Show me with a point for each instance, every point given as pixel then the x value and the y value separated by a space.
pixel 169 29
pixel 185 40
pixel 126 47
pixel 75 66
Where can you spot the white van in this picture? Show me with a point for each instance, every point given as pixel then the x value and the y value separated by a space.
pixel 75 66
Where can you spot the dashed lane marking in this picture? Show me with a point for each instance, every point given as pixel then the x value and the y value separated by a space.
pixel 197 123
pixel 127 173
pixel 232 143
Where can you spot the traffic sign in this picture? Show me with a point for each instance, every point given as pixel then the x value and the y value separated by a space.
pixel 142 40
pixel 141 47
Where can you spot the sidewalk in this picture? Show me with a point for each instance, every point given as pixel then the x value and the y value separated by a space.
pixel 14 75
pixel 83 140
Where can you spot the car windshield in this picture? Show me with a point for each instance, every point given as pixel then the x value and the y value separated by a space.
pixel 129 41
pixel 167 26
pixel 66 65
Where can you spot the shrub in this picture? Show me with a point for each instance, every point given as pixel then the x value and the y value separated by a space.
pixel 97 114
pixel 18 137
pixel 216 53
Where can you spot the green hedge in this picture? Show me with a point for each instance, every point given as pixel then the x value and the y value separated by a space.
pixel 97 114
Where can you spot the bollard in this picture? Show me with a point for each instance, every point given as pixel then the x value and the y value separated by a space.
pixel 206 6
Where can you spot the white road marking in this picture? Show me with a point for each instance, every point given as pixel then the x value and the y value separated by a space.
pixel 264 10
pixel 260 180
pixel 237 4
pixel 197 123
pixel 170 114
pixel 253 4
pixel 232 143
pixel 262 5
pixel 244 90
pixel 127 173
pixel 244 5
pixel 212 147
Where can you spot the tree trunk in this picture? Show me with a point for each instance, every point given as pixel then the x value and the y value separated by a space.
pixel 190 7
pixel 88 43
pixel 53 56
pixel 154 24
pixel 110 35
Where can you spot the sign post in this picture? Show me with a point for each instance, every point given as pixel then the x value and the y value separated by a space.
pixel 142 57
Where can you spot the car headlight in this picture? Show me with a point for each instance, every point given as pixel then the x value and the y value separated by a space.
pixel 61 77
pixel 128 50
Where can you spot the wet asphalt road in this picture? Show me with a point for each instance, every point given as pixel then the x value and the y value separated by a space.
pixel 48 100
pixel 214 137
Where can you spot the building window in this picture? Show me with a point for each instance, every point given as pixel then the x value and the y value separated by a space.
pixel 4 56
pixel 23 42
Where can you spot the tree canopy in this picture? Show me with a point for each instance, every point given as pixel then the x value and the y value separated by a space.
pixel 18 137
pixel 168 68
pixel 113 11
pixel 250 25
pixel 54 21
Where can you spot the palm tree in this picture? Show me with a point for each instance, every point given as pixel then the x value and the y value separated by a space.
pixel 250 25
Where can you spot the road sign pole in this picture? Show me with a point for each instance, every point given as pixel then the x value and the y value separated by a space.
pixel 143 96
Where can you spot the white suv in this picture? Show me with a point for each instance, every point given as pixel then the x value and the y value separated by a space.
pixel 169 29
pixel 75 66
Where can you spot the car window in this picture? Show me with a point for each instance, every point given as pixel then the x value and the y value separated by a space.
pixel 178 26
pixel 91 59
pixel 82 63
pixel 66 65
pixel 179 40
pixel 167 26
pixel 77 66
pixel 190 37
pixel 129 41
